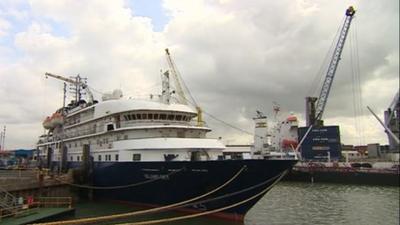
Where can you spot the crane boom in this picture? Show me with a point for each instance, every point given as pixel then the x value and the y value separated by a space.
pixel 76 82
pixel 179 90
pixel 69 80
pixel 175 75
pixel 330 74
pixel 395 101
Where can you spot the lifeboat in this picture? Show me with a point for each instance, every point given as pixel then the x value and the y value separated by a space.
pixel 47 123
pixel 286 143
pixel 57 119
pixel 292 118
pixel 52 121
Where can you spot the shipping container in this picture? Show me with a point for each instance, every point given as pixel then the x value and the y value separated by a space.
pixel 321 143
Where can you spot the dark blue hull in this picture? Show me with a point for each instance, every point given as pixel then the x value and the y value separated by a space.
pixel 175 182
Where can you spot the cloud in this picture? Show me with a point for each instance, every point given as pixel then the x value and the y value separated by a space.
pixel 259 52
pixel 235 56
pixel 4 26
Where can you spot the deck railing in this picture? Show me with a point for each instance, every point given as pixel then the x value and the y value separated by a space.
pixel 53 202
pixel 34 203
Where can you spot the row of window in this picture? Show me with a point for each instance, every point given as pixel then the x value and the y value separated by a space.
pixel 99 142
pixel 108 157
pixel 135 157
pixel 156 116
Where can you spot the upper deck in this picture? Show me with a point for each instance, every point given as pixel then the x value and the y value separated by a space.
pixel 131 110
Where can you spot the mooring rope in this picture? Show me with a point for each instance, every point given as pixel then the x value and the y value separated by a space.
pixel 119 186
pixel 230 194
pixel 122 215
pixel 211 211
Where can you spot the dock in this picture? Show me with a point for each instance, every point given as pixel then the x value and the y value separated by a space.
pixel 38 215
pixel 32 196
pixel 29 179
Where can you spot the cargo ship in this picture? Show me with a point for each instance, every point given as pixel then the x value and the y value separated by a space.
pixel 321 154
pixel 153 152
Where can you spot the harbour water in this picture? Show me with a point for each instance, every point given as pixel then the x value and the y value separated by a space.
pixel 294 203
pixel 322 203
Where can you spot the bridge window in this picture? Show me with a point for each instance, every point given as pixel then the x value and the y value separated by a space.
pixel 155 116
pixel 116 157
pixel 99 158
pixel 163 117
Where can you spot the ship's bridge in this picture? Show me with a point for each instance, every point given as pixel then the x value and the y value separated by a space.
pixel 125 105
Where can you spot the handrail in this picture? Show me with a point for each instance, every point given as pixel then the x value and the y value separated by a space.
pixel 40 202
pixel 53 201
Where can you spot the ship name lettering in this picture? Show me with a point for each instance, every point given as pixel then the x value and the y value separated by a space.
pixel 156 176
pixel 200 170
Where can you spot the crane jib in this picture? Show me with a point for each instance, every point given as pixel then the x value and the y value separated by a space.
pixel 77 82
pixel 323 97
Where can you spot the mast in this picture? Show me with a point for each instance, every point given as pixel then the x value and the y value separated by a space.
pixel 79 83
pixel 179 90
pixel 166 93
pixel 175 75
pixel 3 138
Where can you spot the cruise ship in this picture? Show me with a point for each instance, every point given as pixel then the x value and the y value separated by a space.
pixel 153 152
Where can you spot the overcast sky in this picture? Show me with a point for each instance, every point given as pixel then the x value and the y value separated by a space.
pixel 236 57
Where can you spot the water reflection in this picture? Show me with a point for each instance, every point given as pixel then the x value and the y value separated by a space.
pixel 305 203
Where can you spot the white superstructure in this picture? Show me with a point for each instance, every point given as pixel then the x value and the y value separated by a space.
pixel 119 129
pixel 273 142
pixel 284 135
